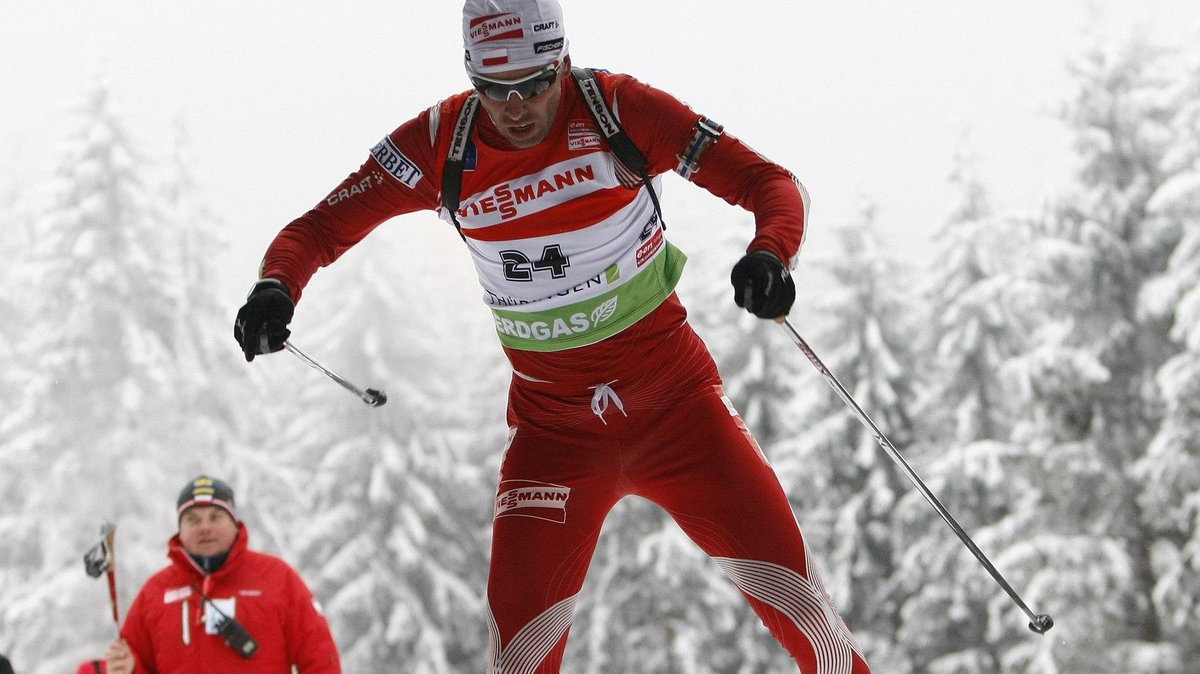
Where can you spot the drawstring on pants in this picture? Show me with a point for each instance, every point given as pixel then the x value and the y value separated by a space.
pixel 600 399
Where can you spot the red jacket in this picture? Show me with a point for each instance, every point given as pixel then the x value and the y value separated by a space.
pixel 408 178
pixel 260 591
pixel 658 124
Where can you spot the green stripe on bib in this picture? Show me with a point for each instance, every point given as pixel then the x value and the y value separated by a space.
pixel 595 319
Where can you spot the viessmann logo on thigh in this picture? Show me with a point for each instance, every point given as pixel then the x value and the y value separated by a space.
pixel 528 498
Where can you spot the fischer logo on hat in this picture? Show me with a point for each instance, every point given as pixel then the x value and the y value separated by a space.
pixel 502 35
pixel 206 491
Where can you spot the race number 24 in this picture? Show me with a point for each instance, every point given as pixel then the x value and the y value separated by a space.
pixel 518 266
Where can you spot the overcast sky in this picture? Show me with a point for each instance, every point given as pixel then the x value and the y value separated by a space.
pixel 861 100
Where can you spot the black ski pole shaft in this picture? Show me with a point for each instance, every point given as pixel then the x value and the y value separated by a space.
pixel 1039 623
pixel 372 397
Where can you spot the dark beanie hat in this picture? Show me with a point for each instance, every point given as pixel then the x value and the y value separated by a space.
pixel 207 491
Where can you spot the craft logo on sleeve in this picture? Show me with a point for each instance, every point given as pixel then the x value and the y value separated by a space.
pixel 342 193
pixel 528 498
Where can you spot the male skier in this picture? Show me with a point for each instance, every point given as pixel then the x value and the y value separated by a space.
pixel 612 392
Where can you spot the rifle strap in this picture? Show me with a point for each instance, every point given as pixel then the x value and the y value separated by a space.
pixel 629 157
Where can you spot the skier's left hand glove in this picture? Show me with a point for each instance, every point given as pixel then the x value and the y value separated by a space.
pixel 261 324
pixel 762 285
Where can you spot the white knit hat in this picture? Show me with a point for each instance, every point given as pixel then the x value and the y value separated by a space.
pixel 503 35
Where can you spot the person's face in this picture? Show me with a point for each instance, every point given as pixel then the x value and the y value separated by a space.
pixel 524 122
pixel 207 530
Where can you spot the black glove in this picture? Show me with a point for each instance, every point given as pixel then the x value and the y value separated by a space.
pixel 261 325
pixel 762 285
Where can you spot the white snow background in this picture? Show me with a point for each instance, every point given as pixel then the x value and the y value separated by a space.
pixel 1001 265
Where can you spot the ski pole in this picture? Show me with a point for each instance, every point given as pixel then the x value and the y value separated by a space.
pixel 372 397
pixel 102 559
pixel 1039 623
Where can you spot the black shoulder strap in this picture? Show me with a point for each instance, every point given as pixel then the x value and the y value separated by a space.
pixel 455 158
pixel 627 154
pixel 622 147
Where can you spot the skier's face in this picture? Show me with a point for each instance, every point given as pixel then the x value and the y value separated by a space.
pixel 524 121
pixel 207 530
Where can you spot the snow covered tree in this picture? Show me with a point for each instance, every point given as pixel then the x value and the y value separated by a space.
pixel 14 291
pixel 397 546
pixel 1080 541
pixel 216 377
pixel 98 415
pixel 975 323
pixel 865 336
pixel 757 363
pixel 225 436
pixel 975 320
pixel 1170 470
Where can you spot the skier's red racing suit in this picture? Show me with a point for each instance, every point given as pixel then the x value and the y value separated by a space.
pixel 613 393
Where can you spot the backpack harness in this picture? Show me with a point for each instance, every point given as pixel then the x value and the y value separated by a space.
pixel 629 157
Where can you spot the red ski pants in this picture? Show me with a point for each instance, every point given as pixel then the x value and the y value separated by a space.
pixel 573 454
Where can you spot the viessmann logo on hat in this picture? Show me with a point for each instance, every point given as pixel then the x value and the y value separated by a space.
pixel 496 27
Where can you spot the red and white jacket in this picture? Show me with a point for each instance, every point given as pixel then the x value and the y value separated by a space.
pixel 171 630
pixel 567 249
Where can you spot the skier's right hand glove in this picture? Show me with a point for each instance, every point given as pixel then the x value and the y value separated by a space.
pixel 762 285
pixel 261 325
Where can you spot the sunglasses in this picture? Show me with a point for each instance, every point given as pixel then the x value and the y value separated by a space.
pixel 525 88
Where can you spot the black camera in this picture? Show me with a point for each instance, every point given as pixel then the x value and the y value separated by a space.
pixel 237 637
